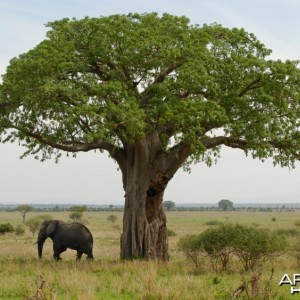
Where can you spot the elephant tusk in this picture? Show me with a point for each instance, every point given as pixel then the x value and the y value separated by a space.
pixel 36 242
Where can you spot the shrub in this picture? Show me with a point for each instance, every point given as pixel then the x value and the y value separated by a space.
pixel 19 230
pixel 218 243
pixel 213 222
pixel 296 252
pixel 192 248
pixel 287 232
pixel 4 228
pixel 112 218
pixel 253 246
pixel 171 232
pixel 250 245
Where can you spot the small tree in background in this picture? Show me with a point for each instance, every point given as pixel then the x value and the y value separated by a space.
pixel 112 218
pixel 34 223
pixel 169 205
pixel 24 209
pixel 225 204
pixel 77 212
pixel 76 216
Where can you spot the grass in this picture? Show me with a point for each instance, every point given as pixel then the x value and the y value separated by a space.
pixel 23 276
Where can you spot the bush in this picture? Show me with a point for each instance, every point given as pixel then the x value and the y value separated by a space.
pixel 19 230
pixel 112 218
pixel 296 252
pixel 4 228
pixel 253 246
pixel 218 244
pixel 171 232
pixel 213 222
pixel 192 248
pixel 287 232
pixel 250 245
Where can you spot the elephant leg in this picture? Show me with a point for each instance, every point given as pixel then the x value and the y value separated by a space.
pixel 56 254
pixel 58 249
pixel 78 256
pixel 56 257
pixel 89 253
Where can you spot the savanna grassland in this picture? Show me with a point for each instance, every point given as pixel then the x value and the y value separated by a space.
pixel 23 276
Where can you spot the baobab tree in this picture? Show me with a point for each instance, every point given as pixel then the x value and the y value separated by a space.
pixel 157 93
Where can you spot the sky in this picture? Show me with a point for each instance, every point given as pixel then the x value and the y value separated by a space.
pixel 93 178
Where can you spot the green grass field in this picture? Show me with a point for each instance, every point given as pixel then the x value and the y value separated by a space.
pixel 23 276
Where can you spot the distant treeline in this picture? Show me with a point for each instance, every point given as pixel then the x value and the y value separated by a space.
pixel 67 207
pixel 248 208
pixel 63 207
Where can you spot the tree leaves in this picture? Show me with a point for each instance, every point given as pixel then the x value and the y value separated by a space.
pixel 112 80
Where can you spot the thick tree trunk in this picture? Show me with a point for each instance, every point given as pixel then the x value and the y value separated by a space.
pixel 144 223
pixel 146 170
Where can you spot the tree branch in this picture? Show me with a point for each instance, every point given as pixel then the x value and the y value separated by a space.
pixel 176 157
pixel 243 144
pixel 115 152
pixel 250 86
pixel 227 141
pixel 159 79
pixel 73 147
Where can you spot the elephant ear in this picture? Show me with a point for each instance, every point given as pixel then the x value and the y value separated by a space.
pixel 51 227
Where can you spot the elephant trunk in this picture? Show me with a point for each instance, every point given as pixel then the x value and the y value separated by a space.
pixel 40 247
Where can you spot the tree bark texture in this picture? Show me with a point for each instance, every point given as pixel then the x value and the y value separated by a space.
pixel 146 173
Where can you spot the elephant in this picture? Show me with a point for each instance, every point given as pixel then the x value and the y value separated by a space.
pixel 66 235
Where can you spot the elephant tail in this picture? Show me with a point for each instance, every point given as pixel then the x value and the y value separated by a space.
pixel 92 244
pixel 91 248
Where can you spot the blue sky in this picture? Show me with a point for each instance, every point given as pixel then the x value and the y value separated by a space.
pixel 93 178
